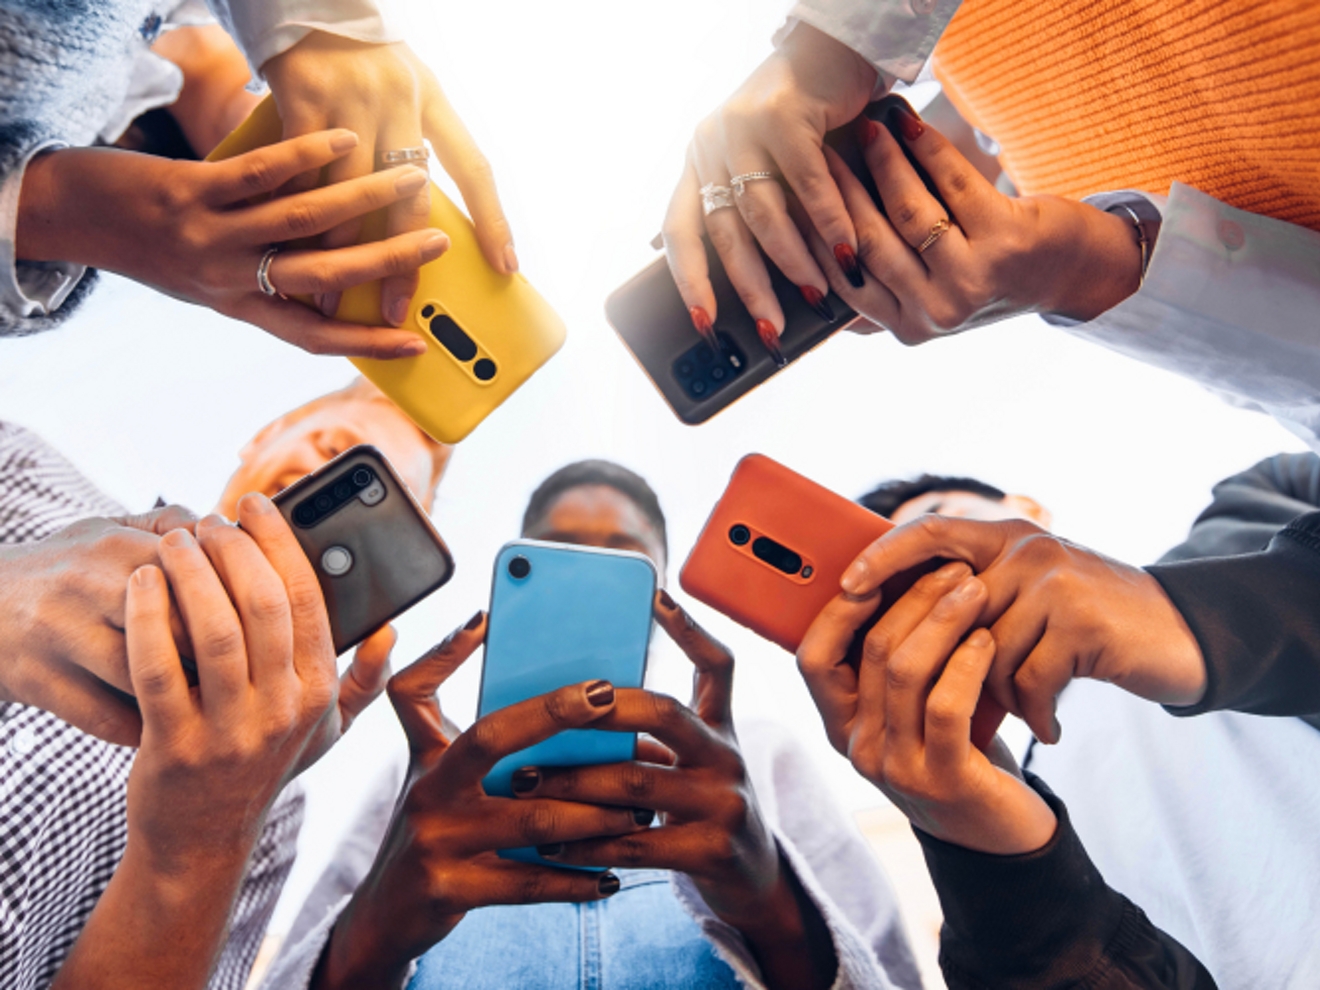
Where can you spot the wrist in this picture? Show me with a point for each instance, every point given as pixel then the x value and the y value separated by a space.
pixel 1013 822
pixel 58 205
pixel 368 951
pixel 1103 262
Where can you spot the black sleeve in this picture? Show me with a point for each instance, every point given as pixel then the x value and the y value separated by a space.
pixel 1047 921
pixel 1256 617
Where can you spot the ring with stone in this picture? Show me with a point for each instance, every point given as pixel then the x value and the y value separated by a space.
pixel 715 197
pixel 740 182
pixel 937 230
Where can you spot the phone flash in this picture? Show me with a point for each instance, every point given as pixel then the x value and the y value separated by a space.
pixel 373 494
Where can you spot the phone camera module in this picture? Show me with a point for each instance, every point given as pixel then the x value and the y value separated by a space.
pixel 776 555
pixel 739 535
pixel 519 567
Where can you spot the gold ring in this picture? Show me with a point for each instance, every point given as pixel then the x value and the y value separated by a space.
pixel 937 231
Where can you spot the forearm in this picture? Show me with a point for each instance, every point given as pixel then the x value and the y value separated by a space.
pixel 156 927
pixel 214 99
pixel 789 938
pixel 355 958
pixel 66 210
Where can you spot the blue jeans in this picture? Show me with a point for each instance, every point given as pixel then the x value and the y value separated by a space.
pixel 639 939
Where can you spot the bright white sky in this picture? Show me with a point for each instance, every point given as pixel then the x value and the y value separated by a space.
pixel 584 109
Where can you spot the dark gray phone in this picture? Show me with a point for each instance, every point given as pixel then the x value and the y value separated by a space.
pixel 372 546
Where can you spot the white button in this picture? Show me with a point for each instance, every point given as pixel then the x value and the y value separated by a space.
pixel 336 561
pixel 23 743
pixel 922 7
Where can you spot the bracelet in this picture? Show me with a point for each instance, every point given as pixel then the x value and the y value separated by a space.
pixel 1143 242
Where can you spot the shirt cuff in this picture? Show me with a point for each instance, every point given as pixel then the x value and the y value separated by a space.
pixel 895 36
pixel 858 967
pixel 266 28
pixel 29 289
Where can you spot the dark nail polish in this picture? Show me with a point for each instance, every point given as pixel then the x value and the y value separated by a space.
pixel 770 339
pixel 817 301
pixel 550 850
pixel 643 816
pixel 608 884
pixel 600 693
pixel 909 124
pixel 525 780
pixel 847 259
pixel 666 601
pixel 475 621
pixel 701 320
pixel 867 131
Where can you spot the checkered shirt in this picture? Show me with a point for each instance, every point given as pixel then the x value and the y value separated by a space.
pixel 63 817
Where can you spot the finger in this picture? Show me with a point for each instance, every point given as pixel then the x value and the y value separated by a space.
pixel 82 699
pixel 969 196
pixel 407 215
pixel 669 721
pixel 502 881
pixel 926 538
pixel 263 171
pixel 683 848
pixel 212 623
pixel 1017 630
pixel 1039 682
pixel 623 785
pixel 161 689
pixel 492 737
pixel 686 252
pixel 161 521
pixel 291 218
pixel 822 658
pixel 298 118
pixel 459 156
pixel 365 679
pixel 650 751
pixel 953 702
pixel 911 209
pixel 412 690
pixel 314 272
pixel 258 594
pixel 357 164
pixel 916 664
pixel 303 327
pixel 883 251
pixel 987 719
pixel 713 699
pixel 800 156
pixel 541 821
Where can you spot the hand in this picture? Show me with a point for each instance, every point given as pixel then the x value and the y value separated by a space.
pixel 1056 611
pixel 906 724
pixel 775 122
pixel 391 100
pixel 191 230
pixel 1001 256
pixel 215 98
pixel 62 600
pixel 711 828
pixel 439 859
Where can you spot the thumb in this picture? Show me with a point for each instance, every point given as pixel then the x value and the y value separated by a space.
pixel 412 690
pixel 365 678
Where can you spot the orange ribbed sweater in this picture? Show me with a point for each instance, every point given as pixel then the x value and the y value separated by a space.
pixel 1091 95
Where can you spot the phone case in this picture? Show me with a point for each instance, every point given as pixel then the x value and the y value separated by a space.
pixel 774 548
pixel 651 319
pixel 579 613
pixel 372 546
pixel 486 333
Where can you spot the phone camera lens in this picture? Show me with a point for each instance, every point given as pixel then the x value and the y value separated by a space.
pixel 808 571
pixel 323 503
pixel 484 370
pixel 428 311
pixel 698 388
pixel 740 534
pixel 718 374
pixel 343 490
pixel 305 515
pixel 519 567
pixel 361 478
pixel 685 369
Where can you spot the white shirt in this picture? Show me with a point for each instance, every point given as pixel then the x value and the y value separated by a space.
pixel 1230 298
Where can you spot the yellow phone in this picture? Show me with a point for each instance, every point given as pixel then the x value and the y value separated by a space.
pixel 486 333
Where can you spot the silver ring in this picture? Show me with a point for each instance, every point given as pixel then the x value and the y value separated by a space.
pixel 715 197
pixel 405 156
pixel 263 273
pixel 739 182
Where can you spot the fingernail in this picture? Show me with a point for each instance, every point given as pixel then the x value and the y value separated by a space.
pixel 550 850
pixel 329 303
pixel 867 131
pixel 413 180
pixel 847 259
pixel 414 348
pixel 510 259
pixel 666 601
pixel 969 588
pixel 770 339
pixel 600 694
pixel 149 577
pixel 525 780
pixel 178 538
pixel 212 521
pixel 256 502
pixel 980 639
pixel 475 621
pixel 343 141
pixel 432 248
pixel 853 577
pixel 608 884
pixel 643 816
pixel 701 320
pixel 396 311
pixel 909 125
pixel 817 301
pixel 956 570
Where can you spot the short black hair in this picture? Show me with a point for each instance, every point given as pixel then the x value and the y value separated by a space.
pixel 886 498
pixel 582 474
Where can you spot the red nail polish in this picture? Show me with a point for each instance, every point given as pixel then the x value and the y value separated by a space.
pixel 701 320
pixel 817 301
pixel 847 259
pixel 909 124
pixel 770 338
pixel 867 131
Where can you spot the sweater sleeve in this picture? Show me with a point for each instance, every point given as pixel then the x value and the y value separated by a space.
pixel 1047 920
pixel 1255 618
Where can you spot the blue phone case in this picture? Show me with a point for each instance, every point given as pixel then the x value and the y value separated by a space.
pixel 579 614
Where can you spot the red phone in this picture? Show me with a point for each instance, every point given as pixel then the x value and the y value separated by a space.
pixel 774 548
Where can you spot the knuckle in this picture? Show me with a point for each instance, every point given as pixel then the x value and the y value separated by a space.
pixel 905 212
pixel 534 886
pixel 538 825
pixel 269 604
pixel 256 175
pixel 631 852
pixel 301 220
pixel 900 676
pixel 483 741
pixel 879 645
pixel 943 714
pixel 637 783
pixel 667 711
pixel 320 275
pixel 959 180
pixel 723 238
pixel 154 680
pixel 220 639
pixel 558 708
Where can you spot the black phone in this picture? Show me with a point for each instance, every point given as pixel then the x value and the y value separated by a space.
pixel 695 380
pixel 372 546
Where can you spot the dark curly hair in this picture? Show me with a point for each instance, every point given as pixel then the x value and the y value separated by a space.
pixel 581 474
pixel 886 497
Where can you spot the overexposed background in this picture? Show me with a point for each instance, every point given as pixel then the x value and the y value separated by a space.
pixel 584 109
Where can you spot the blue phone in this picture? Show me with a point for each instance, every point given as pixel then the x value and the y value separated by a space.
pixel 561 615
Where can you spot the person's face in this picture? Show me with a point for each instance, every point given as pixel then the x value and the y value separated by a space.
pixel 599 516
pixel 290 448
pixel 966 505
